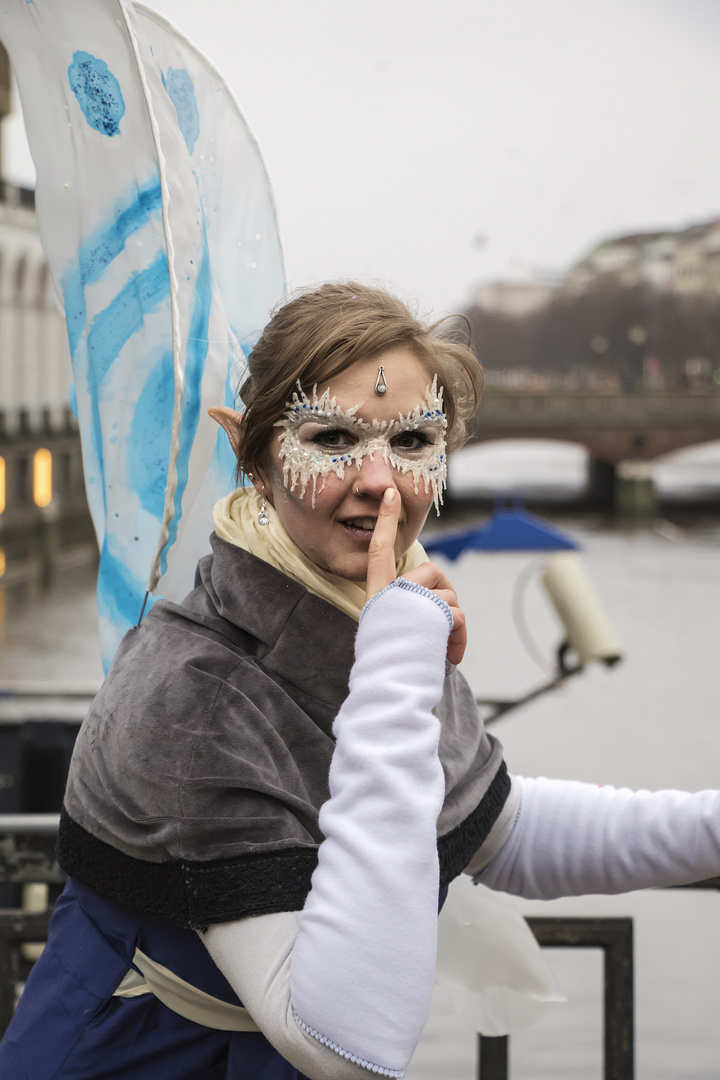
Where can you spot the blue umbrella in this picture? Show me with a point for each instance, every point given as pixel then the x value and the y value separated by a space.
pixel 511 529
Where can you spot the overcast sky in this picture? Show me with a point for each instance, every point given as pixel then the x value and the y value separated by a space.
pixel 434 144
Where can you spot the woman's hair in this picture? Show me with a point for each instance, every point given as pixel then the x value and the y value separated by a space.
pixel 318 333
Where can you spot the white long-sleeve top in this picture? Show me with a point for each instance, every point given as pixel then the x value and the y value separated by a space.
pixel 343 987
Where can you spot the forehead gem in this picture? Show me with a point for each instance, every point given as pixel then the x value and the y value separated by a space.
pixel 381 384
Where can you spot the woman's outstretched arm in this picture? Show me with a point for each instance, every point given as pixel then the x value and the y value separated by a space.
pixel 571 838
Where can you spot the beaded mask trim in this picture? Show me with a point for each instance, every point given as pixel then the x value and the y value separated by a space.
pixel 336 439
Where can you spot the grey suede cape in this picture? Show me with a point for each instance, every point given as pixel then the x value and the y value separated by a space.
pixel 199 772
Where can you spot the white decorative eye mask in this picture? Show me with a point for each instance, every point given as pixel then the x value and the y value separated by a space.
pixel 319 438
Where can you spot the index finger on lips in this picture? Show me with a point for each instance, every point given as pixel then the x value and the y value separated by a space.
pixel 381 553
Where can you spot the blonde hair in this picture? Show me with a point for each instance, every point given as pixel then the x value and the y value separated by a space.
pixel 318 333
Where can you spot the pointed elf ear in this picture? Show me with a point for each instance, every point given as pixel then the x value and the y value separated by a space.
pixel 230 421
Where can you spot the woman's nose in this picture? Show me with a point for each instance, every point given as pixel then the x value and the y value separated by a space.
pixel 376 476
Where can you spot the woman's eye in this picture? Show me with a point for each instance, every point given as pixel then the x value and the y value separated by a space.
pixel 411 440
pixel 333 439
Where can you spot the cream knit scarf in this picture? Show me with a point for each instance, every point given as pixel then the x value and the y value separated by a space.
pixel 235 519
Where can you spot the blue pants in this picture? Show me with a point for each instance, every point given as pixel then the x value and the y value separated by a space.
pixel 68 1025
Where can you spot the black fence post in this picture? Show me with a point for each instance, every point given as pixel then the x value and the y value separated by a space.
pixel 493 1055
pixel 615 938
pixel 619 1004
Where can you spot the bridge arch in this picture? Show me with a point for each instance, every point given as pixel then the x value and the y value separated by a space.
pixel 638 425
pixel 550 469
pixel 693 472
pixel 557 467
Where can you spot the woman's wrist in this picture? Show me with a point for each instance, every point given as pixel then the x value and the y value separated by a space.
pixel 402 640
pixel 413 587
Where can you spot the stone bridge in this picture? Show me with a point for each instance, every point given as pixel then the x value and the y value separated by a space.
pixel 638 425
pixel 620 430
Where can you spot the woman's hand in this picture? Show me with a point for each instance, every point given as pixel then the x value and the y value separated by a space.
pixel 381 572
pixel 431 577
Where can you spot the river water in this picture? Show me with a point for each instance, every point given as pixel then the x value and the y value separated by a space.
pixel 652 721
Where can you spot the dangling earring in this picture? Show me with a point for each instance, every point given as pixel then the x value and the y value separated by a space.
pixel 263 516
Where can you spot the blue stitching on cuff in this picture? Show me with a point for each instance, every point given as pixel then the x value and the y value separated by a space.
pixel 411 586
pixel 380 1069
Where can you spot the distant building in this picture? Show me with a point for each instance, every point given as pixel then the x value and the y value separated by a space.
pixel 697 259
pixel 41 474
pixel 680 261
pixel 515 299
pixel 35 371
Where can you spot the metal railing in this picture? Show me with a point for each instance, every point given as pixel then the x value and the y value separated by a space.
pixel 615 938
pixel 17 928
pixel 27 857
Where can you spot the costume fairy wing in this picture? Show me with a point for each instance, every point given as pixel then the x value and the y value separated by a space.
pixel 158 221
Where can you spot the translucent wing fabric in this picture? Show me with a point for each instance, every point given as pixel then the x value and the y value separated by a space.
pixel 158 221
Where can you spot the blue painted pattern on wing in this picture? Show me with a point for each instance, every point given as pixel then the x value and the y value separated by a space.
pixel 181 91
pixel 145 292
pixel 125 217
pixel 119 597
pixel 148 447
pixel 97 91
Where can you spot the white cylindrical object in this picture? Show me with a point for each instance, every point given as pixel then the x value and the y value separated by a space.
pixel 34 899
pixel 588 628
pixel 35 896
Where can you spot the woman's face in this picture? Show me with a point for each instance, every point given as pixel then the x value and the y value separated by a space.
pixel 327 474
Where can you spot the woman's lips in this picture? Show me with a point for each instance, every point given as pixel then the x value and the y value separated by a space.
pixel 361 528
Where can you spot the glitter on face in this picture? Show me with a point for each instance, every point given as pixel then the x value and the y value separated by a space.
pixel 319 437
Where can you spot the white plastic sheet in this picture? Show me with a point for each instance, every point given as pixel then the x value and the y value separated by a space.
pixel 491 979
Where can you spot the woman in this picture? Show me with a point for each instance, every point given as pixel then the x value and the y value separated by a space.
pixel 256 821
